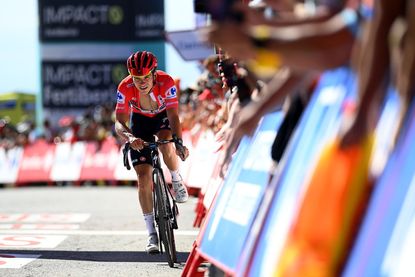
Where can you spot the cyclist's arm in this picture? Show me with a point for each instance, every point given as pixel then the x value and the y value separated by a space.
pixel 173 116
pixel 122 130
pixel 121 126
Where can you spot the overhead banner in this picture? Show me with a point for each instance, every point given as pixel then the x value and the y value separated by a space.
pixel 148 19
pixel 189 45
pixel 80 84
pixel 98 20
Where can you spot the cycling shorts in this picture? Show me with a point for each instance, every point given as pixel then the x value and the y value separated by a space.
pixel 145 127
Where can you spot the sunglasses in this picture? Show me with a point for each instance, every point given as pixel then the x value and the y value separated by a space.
pixel 144 78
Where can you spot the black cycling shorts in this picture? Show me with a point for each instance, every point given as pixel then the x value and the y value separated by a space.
pixel 145 127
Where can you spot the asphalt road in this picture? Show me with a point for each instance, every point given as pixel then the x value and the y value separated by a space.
pixel 83 231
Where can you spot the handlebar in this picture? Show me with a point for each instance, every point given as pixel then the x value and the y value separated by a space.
pixel 150 144
pixel 154 144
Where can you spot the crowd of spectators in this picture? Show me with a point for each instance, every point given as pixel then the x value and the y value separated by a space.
pixel 93 125
pixel 201 108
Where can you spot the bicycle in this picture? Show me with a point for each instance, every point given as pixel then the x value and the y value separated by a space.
pixel 164 205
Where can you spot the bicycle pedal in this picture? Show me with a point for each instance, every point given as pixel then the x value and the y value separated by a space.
pixel 174 226
pixel 175 210
pixel 155 252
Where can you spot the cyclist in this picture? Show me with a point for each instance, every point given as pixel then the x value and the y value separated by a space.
pixel 147 105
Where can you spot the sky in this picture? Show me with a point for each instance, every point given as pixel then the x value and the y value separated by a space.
pixel 20 50
pixel 19 55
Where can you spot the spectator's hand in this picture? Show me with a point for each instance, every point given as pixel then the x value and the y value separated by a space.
pixel 232 38
pixel 226 156
pixel 358 130
pixel 248 120
pixel 246 125
pixel 136 143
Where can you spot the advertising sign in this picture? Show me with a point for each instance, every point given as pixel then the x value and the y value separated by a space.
pixel 148 20
pixel 243 190
pixel 97 20
pixel 80 84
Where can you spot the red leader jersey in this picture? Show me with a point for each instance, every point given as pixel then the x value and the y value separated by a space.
pixel 164 92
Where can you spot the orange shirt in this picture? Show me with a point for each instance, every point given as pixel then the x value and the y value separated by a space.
pixel 164 92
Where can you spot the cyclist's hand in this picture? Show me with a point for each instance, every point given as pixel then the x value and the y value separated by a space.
pixel 136 143
pixel 182 152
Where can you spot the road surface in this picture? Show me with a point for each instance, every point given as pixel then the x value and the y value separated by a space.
pixel 83 231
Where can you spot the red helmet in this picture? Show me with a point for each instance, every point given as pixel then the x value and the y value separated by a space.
pixel 141 63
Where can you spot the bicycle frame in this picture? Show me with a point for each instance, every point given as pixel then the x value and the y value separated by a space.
pixel 164 205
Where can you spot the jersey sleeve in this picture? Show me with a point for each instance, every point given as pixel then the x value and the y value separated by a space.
pixel 170 94
pixel 122 101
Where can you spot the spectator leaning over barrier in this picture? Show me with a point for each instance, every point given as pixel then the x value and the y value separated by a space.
pixel 149 97
pixel 375 64
pixel 304 45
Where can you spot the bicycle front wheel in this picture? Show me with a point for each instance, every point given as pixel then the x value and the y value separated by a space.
pixel 165 224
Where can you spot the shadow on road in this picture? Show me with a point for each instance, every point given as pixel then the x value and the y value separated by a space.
pixel 98 256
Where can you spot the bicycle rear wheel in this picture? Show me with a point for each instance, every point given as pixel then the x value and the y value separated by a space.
pixel 165 224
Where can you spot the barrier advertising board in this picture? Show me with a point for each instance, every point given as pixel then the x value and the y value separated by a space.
pixel 240 196
pixel 386 241
pixel 319 122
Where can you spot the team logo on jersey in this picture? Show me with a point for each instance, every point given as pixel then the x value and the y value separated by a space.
pixel 171 93
pixel 120 97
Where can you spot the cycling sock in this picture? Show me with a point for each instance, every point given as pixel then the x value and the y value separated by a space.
pixel 175 175
pixel 149 219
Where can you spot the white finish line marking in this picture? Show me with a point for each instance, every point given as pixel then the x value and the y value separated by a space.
pixel 45 217
pixel 19 226
pixel 93 232
pixel 16 260
pixel 30 241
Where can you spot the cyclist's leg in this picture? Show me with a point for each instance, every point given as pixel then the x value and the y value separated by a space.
pixel 145 193
pixel 171 160
pixel 145 197
pixel 143 127
pixel 169 154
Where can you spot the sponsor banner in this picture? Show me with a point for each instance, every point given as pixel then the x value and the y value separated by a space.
pixel 100 20
pixel 148 19
pixel 9 164
pixel 243 190
pixel 36 162
pixel 62 20
pixel 319 122
pixel 81 84
pixel 100 161
pixel 203 153
pixel 68 161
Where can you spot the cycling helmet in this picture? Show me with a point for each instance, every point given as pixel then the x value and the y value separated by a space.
pixel 141 63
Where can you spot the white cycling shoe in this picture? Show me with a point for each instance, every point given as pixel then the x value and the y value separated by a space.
pixel 153 244
pixel 180 192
